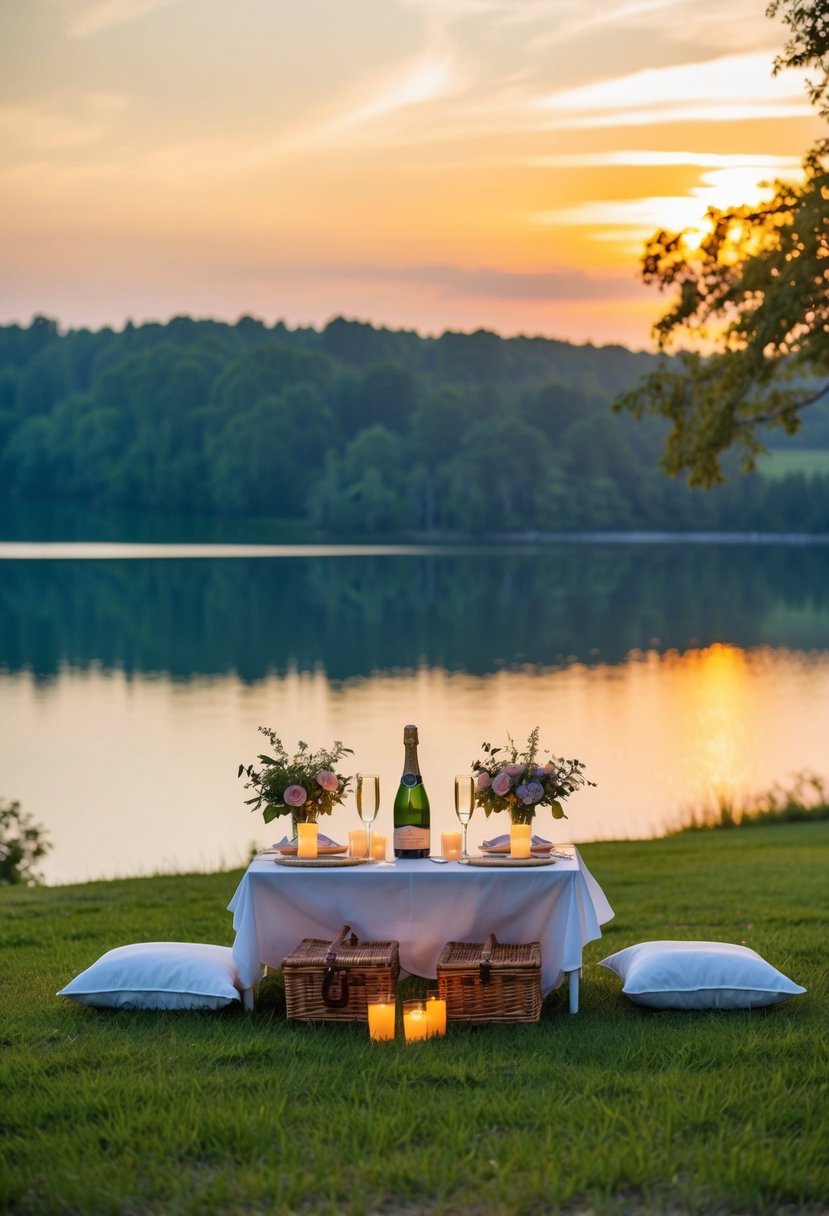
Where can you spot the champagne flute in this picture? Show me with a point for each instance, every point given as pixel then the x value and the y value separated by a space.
pixel 368 802
pixel 464 806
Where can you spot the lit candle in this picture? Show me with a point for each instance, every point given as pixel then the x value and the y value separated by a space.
pixel 415 1021
pixel 436 1015
pixel 307 842
pixel 520 839
pixel 357 842
pixel 381 1020
pixel 450 845
pixel 378 846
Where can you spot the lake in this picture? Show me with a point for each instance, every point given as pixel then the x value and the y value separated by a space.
pixel 133 679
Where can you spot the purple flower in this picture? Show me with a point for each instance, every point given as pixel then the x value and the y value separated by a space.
pixel 294 795
pixel 484 781
pixel 502 783
pixel 327 780
pixel 530 793
pixel 514 770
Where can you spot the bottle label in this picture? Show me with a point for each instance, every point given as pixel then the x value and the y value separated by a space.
pixel 410 779
pixel 411 838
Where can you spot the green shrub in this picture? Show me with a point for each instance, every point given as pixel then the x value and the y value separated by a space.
pixel 22 844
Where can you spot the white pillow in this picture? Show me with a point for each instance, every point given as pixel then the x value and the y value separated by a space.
pixel 699 975
pixel 158 975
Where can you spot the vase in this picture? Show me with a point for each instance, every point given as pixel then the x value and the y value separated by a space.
pixel 300 816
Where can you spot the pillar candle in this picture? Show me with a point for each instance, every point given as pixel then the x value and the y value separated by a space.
pixel 378 846
pixel 381 1020
pixel 520 839
pixel 415 1021
pixel 357 843
pixel 307 840
pixel 450 845
pixel 436 1015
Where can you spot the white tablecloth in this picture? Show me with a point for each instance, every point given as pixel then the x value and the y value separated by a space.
pixel 420 905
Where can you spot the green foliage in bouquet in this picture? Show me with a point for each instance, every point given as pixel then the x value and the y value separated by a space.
pixel 520 782
pixel 304 785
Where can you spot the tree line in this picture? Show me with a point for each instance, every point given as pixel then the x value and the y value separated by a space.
pixel 359 430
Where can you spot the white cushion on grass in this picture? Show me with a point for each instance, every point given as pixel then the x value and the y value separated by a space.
pixel 158 975
pixel 699 975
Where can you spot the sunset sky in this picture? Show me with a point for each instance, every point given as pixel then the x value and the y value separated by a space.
pixel 426 164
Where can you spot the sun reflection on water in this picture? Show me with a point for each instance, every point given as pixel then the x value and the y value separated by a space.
pixel 144 768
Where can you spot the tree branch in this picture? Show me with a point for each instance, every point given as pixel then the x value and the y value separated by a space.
pixel 773 415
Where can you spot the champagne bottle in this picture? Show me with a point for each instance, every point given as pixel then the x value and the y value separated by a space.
pixel 411 806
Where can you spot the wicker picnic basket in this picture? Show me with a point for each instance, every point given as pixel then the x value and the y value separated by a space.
pixel 334 981
pixel 493 982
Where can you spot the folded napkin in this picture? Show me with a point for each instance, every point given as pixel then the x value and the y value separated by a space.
pixel 280 844
pixel 499 840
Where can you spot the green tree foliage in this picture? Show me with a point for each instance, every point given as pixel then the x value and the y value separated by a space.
pixel 366 488
pixel 266 457
pixel 384 394
pixel 510 458
pixel 406 435
pixel 807 46
pixel 754 295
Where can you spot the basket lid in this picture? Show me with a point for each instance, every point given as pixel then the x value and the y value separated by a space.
pixel 311 952
pixel 460 956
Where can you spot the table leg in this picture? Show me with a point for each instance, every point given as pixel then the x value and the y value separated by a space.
pixel 573 989
pixel 249 994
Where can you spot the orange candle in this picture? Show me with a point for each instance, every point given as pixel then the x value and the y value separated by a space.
pixel 415 1021
pixel 450 845
pixel 436 1015
pixel 357 842
pixel 520 839
pixel 378 846
pixel 381 1020
pixel 307 842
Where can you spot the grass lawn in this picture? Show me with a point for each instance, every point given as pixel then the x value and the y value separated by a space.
pixel 614 1110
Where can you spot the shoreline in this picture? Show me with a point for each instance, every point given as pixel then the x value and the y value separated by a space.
pixel 424 546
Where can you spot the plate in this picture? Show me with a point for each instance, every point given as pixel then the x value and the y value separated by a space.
pixel 322 862
pixel 323 850
pixel 510 862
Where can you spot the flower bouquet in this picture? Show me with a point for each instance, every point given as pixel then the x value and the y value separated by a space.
pixel 507 780
pixel 304 785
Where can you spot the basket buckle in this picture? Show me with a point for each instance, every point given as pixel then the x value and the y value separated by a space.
pixel 330 1000
pixel 485 966
pixel 331 973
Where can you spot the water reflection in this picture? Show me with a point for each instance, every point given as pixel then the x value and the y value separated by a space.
pixel 136 774
pixel 351 616
pixel 131 690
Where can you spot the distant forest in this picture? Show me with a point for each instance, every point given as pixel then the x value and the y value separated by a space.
pixel 359 431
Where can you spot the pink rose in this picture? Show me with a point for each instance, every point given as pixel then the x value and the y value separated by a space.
pixel 327 780
pixel 514 770
pixel 483 781
pixel 294 795
pixel 502 783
